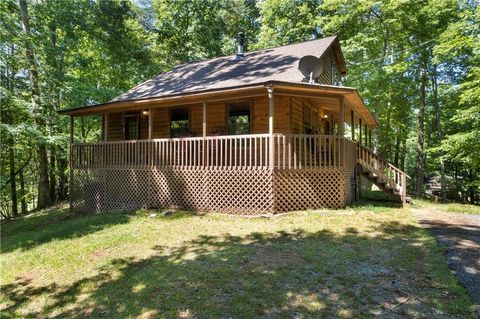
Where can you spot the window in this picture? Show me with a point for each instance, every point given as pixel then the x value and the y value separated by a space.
pixel 310 120
pixel 132 126
pixel 336 80
pixel 179 122
pixel 239 118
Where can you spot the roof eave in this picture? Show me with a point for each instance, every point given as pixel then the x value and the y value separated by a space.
pixel 351 93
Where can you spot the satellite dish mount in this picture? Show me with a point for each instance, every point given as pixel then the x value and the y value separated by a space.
pixel 311 68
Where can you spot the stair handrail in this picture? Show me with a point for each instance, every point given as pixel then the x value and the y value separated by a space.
pixel 383 160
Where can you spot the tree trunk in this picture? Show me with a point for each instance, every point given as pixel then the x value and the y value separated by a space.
pixel 13 183
pixel 471 190
pixel 23 200
pixel 443 185
pixel 439 136
pixel 53 180
pixel 403 154
pixel 43 184
pixel 420 169
pixel 62 177
pixel 396 158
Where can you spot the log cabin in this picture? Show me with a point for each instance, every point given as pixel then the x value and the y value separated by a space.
pixel 246 134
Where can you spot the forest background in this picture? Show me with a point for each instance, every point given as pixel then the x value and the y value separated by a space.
pixel 415 62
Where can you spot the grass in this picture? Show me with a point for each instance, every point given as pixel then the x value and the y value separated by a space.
pixel 449 207
pixel 367 261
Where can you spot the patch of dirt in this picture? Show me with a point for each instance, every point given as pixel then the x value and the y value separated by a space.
pixel 460 235
pixel 99 253
pixel 271 258
pixel 27 277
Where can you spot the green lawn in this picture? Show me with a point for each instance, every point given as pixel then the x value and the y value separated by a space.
pixel 449 207
pixel 368 261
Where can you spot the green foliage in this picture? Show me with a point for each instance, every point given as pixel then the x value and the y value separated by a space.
pixel 87 52
pixel 285 22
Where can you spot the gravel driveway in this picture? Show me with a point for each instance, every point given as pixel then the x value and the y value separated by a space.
pixel 460 234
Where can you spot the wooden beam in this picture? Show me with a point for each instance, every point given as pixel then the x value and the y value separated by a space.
pixel 341 128
pixel 150 123
pixel 365 130
pixel 271 110
pixel 105 127
pixel 352 115
pixel 189 99
pixel 204 119
pixel 370 138
pixel 360 131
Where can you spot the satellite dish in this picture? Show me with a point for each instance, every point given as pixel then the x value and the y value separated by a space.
pixel 311 67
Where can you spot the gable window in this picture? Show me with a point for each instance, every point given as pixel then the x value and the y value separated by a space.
pixel 179 122
pixel 239 118
pixel 131 127
pixel 336 80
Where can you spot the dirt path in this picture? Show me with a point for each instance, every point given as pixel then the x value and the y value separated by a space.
pixel 460 234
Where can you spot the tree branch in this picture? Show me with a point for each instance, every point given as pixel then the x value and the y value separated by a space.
pixel 19 170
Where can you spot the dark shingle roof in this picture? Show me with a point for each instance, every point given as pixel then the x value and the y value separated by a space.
pixel 279 64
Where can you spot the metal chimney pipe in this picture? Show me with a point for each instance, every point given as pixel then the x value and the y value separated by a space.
pixel 241 47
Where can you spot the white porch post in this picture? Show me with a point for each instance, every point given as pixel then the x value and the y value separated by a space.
pixel 271 110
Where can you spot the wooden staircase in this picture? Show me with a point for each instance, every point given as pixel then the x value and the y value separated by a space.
pixel 387 177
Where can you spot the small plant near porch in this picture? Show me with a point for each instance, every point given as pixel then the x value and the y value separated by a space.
pixel 369 261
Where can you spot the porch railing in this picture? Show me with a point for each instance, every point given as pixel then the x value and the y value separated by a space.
pixel 291 151
pixel 391 176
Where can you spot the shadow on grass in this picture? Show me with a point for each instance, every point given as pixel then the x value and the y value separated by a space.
pixel 281 274
pixel 369 203
pixel 36 229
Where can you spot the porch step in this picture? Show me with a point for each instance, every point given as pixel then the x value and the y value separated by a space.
pixel 387 177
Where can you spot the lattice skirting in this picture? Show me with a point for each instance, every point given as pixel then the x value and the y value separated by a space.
pixel 309 189
pixel 245 191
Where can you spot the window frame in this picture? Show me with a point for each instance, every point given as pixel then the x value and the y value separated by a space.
pixel 312 124
pixel 250 115
pixel 125 118
pixel 175 108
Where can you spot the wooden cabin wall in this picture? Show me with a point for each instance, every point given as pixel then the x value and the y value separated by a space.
pixel 160 123
pixel 216 119
pixel 196 119
pixel 143 127
pixel 328 59
pixel 297 114
pixel 281 118
pixel 115 127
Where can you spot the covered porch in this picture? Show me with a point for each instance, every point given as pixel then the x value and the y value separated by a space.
pixel 298 150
